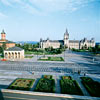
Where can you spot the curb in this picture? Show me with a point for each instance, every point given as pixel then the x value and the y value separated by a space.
pixel 50 94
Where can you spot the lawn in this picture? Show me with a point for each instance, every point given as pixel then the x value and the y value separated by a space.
pixel 28 56
pixel 51 59
pixel 22 84
pixel 93 87
pixel 46 84
pixel 70 86
pixel 36 53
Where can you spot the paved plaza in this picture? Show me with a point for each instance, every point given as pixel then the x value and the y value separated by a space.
pixel 73 62
pixel 32 68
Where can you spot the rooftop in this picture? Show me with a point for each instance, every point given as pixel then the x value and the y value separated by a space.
pixel 14 49
pixel 3 32
pixel 6 41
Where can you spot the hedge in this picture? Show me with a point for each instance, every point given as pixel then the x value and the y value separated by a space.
pixel 21 84
pixel 93 87
pixel 45 85
pixel 69 86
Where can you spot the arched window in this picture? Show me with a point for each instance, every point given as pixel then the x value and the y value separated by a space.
pixel 15 55
pixel 9 55
pixel 18 54
pixel 12 55
pixel 6 55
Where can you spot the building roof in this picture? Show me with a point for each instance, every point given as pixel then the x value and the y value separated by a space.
pixel 10 42
pixel 89 41
pixel 73 41
pixel 6 41
pixel 56 41
pixel 3 32
pixel 14 49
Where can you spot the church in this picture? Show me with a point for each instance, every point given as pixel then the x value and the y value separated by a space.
pixel 3 40
pixel 11 52
pixel 70 44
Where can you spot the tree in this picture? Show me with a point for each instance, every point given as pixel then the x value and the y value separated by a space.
pixel 1 49
pixel 4 45
pixel 61 46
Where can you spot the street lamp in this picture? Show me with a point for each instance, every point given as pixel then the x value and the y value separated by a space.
pixel 64 55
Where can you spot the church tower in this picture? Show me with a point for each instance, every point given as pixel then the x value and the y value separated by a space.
pixel 3 35
pixel 66 39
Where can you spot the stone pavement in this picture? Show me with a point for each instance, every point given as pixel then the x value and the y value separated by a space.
pixel 77 78
pixel 57 83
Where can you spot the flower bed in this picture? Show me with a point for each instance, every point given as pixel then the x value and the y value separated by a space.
pixel 67 77
pixel 93 87
pixel 29 56
pixel 47 76
pixel 22 84
pixel 46 85
pixel 4 60
pixel 69 86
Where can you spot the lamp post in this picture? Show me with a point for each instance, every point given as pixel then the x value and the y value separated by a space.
pixel 37 55
pixel 64 55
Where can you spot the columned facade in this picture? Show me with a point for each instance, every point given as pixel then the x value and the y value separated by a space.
pixel 14 53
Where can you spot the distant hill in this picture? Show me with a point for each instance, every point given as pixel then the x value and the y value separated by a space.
pixel 98 43
pixel 28 42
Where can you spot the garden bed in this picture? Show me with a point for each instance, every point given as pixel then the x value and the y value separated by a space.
pixel 47 76
pixel 46 84
pixel 22 84
pixel 29 56
pixel 52 59
pixel 70 86
pixel 93 87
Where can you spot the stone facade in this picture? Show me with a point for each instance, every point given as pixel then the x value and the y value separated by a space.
pixel 77 44
pixel 14 53
pixel 49 43
pixel 3 40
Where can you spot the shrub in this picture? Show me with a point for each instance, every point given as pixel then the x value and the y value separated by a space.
pixel 69 86
pixel 93 87
pixel 22 84
pixel 45 85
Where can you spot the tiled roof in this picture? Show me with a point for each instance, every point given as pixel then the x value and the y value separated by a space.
pixel 89 41
pixel 14 49
pixel 53 41
pixel 73 41
pixel 6 41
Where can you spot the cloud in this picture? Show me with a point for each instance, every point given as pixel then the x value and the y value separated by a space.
pixel 48 6
pixel 2 15
pixel 6 2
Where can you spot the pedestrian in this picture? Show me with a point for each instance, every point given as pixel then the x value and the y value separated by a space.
pixel 84 74
pixel 93 59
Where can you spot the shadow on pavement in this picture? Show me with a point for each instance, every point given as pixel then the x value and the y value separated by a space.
pixel 1 96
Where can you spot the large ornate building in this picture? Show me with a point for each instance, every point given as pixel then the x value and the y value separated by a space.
pixel 77 44
pixel 3 40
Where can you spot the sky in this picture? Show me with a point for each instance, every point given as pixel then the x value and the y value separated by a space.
pixel 30 20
